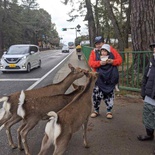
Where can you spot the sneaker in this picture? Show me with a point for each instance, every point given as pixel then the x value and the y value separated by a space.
pixel 109 115
pixel 94 114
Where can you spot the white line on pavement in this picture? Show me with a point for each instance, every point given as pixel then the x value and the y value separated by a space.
pixel 34 79
pixel 37 82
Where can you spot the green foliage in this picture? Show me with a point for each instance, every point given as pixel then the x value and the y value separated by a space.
pixel 25 23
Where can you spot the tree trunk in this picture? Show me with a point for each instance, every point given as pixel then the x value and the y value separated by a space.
pixel 91 23
pixel 142 24
pixel 115 24
pixel 142 28
pixel 98 27
pixel 127 27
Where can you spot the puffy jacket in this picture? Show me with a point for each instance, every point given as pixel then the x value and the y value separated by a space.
pixel 94 64
pixel 148 82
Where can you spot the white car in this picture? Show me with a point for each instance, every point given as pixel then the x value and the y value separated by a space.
pixel 21 57
pixel 65 49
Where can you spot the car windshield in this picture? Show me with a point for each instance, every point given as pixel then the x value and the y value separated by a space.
pixel 65 47
pixel 20 50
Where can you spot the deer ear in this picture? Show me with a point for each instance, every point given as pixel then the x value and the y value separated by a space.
pixel 75 86
pixel 71 67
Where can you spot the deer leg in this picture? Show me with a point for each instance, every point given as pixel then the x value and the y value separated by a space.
pixel 85 134
pixel 13 120
pixel 61 144
pixel 5 118
pixel 31 123
pixel 45 145
pixel 19 137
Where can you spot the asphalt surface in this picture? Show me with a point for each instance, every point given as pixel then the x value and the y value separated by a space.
pixel 117 136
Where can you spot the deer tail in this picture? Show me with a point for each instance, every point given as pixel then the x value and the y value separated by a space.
pixel 5 110
pixel 20 110
pixel 53 129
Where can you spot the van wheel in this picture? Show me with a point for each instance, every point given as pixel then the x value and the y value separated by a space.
pixel 28 67
pixel 39 64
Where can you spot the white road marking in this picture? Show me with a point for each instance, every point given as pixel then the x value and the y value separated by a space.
pixel 37 82
pixel 34 79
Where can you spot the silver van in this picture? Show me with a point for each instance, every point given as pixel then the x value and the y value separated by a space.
pixel 21 57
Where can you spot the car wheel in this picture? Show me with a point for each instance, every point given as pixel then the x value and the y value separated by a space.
pixel 39 64
pixel 28 67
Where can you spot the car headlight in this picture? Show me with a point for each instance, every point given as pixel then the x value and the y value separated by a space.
pixel 24 57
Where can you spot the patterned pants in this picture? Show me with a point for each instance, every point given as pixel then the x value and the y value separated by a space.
pixel 108 99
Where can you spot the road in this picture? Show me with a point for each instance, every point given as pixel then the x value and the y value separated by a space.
pixel 16 81
pixel 52 61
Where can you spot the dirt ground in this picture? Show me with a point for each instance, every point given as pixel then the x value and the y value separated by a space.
pixel 117 136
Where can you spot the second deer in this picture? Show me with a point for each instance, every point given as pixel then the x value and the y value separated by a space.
pixel 67 121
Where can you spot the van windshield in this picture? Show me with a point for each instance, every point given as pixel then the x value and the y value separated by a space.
pixel 20 50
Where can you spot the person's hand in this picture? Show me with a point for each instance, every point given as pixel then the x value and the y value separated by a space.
pixel 110 61
pixel 103 62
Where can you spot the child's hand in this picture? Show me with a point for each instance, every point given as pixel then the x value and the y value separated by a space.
pixel 103 62
pixel 110 61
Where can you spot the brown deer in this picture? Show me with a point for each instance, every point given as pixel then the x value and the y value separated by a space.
pixel 68 120
pixel 9 110
pixel 35 109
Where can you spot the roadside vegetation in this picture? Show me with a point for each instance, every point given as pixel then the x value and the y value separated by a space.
pixel 23 22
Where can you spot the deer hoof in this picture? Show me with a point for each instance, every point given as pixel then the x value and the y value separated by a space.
pixel 20 148
pixel 86 146
pixel 13 146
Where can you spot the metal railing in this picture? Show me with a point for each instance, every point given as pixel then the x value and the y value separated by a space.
pixel 131 70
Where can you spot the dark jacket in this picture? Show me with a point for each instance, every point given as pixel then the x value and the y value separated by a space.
pixel 148 82
pixel 108 76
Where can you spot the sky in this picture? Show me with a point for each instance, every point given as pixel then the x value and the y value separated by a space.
pixel 58 12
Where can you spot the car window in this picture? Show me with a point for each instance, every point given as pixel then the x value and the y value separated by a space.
pixel 14 50
pixel 65 47
pixel 34 48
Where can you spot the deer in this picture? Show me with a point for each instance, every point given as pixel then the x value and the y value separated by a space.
pixel 8 113
pixel 63 124
pixel 35 109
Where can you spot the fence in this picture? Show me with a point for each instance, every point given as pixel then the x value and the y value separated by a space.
pixel 132 69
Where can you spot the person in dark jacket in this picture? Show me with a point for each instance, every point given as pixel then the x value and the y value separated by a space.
pixel 108 75
pixel 148 94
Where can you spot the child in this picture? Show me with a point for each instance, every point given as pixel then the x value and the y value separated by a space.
pixel 104 55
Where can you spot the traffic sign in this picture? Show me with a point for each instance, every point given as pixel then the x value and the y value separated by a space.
pixel 78 26
pixel 64 29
